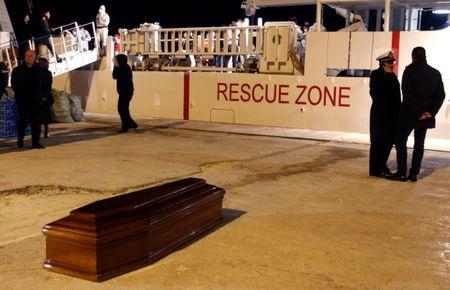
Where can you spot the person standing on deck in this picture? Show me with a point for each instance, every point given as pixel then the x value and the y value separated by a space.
pixel 102 22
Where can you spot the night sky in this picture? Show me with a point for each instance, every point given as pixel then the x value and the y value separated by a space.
pixel 130 13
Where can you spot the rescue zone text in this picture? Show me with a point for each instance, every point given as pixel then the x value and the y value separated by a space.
pixel 282 94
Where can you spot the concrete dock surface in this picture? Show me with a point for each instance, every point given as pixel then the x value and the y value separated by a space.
pixel 300 214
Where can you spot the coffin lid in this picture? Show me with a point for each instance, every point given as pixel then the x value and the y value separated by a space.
pixel 138 199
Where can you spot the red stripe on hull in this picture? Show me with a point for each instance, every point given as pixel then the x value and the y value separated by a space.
pixel 186 96
pixel 396 48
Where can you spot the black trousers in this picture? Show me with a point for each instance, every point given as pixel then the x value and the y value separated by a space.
pixel 124 111
pixel 379 155
pixel 29 113
pixel 383 127
pixel 402 151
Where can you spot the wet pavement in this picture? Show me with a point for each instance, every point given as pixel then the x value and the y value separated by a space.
pixel 300 214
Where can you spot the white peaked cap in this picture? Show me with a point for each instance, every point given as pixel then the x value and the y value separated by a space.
pixel 386 56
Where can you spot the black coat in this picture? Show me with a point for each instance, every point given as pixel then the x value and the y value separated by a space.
pixel 386 99
pixel 41 29
pixel 124 77
pixel 47 98
pixel 25 32
pixel 27 85
pixel 423 91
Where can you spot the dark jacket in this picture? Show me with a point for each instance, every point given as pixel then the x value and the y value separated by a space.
pixel 423 91
pixel 27 84
pixel 25 32
pixel 124 77
pixel 41 29
pixel 47 98
pixel 386 100
pixel 47 82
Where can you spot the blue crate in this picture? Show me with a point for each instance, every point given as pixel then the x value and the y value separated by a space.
pixel 9 118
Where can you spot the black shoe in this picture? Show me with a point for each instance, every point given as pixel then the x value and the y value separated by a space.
pixel 412 177
pixel 38 146
pixel 20 144
pixel 134 126
pixel 398 177
pixel 387 172
pixel 379 175
pixel 383 174
pixel 123 130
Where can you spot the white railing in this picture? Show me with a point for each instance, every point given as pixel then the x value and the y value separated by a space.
pixel 193 42
pixel 8 53
pixel 70 48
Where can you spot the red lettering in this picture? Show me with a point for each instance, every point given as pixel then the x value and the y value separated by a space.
pixel 234 91
pixel 270 101
pixel 222 90
pixel 342 96
pixel 282 93
pixel 302 91
pixel 332 97
pixel 253 93
pixel 247 93
pixel 310 95
pixel 273 93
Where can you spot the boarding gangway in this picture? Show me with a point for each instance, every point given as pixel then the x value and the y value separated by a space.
pixel 75 45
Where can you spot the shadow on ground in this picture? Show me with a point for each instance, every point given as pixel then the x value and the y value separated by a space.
pixel 61 135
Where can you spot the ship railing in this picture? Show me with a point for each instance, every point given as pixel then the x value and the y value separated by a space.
pixel 196 44
pixel 9 52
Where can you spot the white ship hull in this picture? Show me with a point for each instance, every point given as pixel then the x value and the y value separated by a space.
pixel 312 101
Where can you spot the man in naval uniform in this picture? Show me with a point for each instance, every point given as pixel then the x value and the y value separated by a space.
pixel 102 22
pixel 385 93
pixel 423 95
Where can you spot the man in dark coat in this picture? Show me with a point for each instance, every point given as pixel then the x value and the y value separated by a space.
pixel 26 81
pixel 25 35
pixel 43 33
pixel 423 95
pixel 124 76
pixel 385 93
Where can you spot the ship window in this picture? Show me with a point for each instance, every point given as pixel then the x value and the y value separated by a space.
pixel 355 73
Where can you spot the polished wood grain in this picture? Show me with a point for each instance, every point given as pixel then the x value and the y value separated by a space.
pixel 119 234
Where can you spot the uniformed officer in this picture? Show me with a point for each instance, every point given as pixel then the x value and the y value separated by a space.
pixel 386 99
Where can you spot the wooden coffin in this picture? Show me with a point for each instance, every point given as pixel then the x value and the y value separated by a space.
pixel 119 234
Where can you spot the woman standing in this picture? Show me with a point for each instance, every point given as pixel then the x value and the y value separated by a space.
pixel 386 99
pixel 124 76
